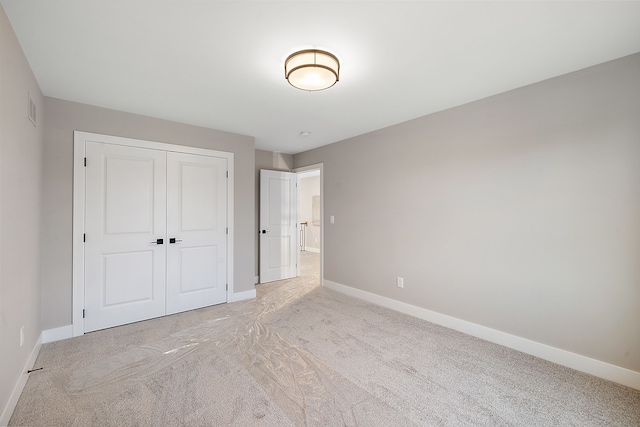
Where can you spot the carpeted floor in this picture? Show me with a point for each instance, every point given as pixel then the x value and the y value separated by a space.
pixel 302 355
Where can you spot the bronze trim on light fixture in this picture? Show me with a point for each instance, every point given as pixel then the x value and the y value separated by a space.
pixel 331 58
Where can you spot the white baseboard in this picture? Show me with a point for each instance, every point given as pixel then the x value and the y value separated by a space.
pixel 314 250
pixel 7 411
pixel 240 296
pixel 566 358
pixel 57 334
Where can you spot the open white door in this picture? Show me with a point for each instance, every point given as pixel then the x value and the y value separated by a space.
pixel 278 226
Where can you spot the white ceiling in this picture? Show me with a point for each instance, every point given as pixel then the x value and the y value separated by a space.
pixel 219 64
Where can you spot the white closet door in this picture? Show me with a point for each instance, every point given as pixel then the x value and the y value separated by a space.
pixel 125 216
pixel 196 231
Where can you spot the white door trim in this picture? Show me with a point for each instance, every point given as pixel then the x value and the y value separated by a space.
pixel 320 167
pixel 79 140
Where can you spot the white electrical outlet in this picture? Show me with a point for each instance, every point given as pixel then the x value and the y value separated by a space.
pixel 400 282
pixel 332 219
pixel 21 336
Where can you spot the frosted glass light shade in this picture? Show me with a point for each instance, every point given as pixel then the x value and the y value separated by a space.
pixel 312 69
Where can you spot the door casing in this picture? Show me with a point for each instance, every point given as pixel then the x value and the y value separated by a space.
pixel 79 188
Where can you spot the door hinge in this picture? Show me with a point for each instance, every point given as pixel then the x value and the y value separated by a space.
pixel 227 174
pixel 227 230
pixel 84 237
pixel 227 286
pixel 85 161
pixel 83 313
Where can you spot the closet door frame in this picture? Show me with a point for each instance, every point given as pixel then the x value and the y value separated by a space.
pixel 79 190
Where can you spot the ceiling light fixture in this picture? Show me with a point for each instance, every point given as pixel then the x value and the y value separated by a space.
pixel 312 69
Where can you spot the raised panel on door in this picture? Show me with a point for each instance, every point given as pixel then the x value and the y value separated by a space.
pixel 197 223
pixel 125 215
pixel 278 217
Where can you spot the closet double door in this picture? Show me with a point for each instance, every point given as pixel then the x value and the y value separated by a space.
pixel 156 231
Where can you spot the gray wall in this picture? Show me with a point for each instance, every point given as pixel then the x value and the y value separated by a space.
pixel 20 198
pixel 62 118
pixel 519 212
pixel 272 161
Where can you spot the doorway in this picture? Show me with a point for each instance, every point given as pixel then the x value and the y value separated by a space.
pixel 310 220
pixel 285 237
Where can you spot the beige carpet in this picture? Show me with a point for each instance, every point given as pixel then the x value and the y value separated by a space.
pixel 302 355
